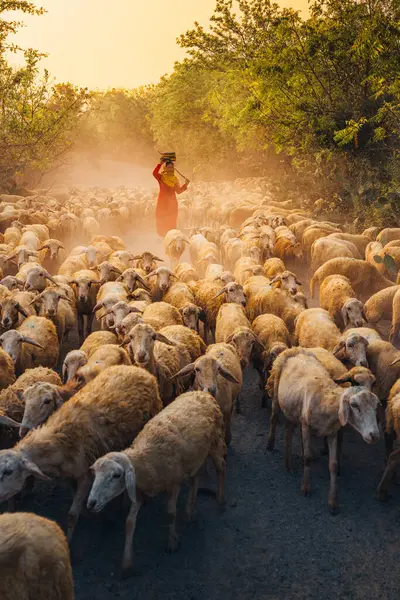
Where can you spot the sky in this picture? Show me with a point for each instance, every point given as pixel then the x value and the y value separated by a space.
pixel 102 44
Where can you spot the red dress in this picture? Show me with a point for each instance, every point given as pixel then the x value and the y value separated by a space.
pixel 167 204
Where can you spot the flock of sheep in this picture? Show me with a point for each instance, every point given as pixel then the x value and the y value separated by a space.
pixel 149 395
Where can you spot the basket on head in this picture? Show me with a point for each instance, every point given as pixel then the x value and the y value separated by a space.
pixel 168 156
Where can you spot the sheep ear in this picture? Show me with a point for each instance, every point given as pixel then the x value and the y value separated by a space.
pixel 344 411
pixel 50 278
pixel 396 360
pixel 8 422
pixel 158 259
pixel 185 371
pixel 58 399
pixel 161 338
pixel 34 469
pixel 297 280
pixel 338 347
pixel 98 306
pixel 152 274
pixel 223 291
pixel 344 379
pixel 136 257
pixel 64 373
pixel 134 309
pixel 28 340
pixel 226 375
pixel 142 281
pixel 345 316
pixel 21 310
pixel 275 279
pixel 130 481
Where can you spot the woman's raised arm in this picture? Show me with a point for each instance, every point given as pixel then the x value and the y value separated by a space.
pixel 156 172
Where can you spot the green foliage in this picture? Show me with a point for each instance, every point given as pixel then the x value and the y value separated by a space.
pixel 38 119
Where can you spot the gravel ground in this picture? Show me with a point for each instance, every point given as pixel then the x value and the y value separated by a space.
pixel 269 543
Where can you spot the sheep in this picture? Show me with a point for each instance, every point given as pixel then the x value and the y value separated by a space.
pixel 161 356
pixel 372 249
pixel 363 277
pixel 181 297
pixel 326 248
pixel 286 281
pixel 371 233
pixel 11 403
pixel 338 298
pixel 244 269
pixel 274 338
pixel 384 362
pixel 133 279
pixel 161 314
pixel 379 306
pixel 38 332
pixel 185 337
pixel 360 241
pixel 286 247
pixel 72 264
pixel 186 273
pixel 315 328
pixel 313 233
pixel 120 310
pixel 395 328
pixel 234 328
pixel 214 272
pixel 96 340
pixel 15 309
pixel 56 307
pixel 72 362
pixel 4 292
pixel 34 559
pixel 219 373
pixel 124 327
pixel 307 396
pixel 108 271
pixel 106 356
pixel 85 285
pixel 40 230
pixel 12 283
pixel 278 303
pixel 174 246
pixel 23 255
pixel 147 261
pixel 36 278
pixel 113 241
pixel 7 371
pixel 208 295
pixel 105 415
pixel 172 447
pixel 392 432
pixel 109 294
pixel 162 283
pixel 387 235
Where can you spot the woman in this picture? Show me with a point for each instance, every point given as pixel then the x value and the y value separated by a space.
pixel 167 204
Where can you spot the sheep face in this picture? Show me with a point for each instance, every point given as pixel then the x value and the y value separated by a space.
pixel 243 342
pixel 235 293
pixel 353 349
pixel 11 283
pixel 190 316
pixel 91 255
pixel 10 310
pixel 147 262
pixel 37 279
pixel 141 345
pixel 83 289
pixel 72 362
pixel 227 277
pixel 353 313
pixel 256 253
pixel 50 300
pixel 287 281
pixel 164 277
pixel 128 323
pixel 107 272
pixel 53 247
pixel 358 408
pixel 41 400
pixel 111 478
pixel 14 470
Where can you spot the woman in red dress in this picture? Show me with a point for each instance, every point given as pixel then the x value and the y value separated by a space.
pixel 167 204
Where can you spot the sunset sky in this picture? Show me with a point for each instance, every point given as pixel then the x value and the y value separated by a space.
pixel 123 43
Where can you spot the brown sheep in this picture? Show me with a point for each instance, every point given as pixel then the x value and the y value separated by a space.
pixel 161 314
pixel 105 415
pixel 379 307
pixel 7 371
pixel 234 328
pixel 338 297
pixel 278 303
pixel 171 447
pixel 307 396
pixel 364 278
pixel 34 559
pixel 273 267
pixel 96 340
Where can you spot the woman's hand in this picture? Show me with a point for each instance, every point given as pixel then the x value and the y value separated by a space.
pixel 187 181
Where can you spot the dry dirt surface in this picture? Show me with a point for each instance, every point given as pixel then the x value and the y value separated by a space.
pixel 269 543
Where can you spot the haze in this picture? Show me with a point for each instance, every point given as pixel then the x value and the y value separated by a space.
pixel 126 43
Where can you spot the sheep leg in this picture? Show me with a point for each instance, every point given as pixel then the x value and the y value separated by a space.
pixel 173 538
pixel 80 327
pixel 272 427
pixel 228 433
pixel 191 503
pixel 333 470
pixel 218 457
pixel 89 324
pixel 80 495
pixel 289 429
pixel 130 526
pixel 339 450
pixel 393 464
pixel 389 441
pixel 307 451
